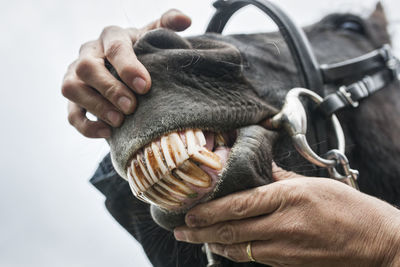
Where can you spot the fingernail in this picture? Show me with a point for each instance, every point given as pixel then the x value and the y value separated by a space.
pixel 113 117
pixel 139 84
pixel 104 133
pixel 125 104
pixel 179 235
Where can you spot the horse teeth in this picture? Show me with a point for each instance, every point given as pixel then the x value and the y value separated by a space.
pixel 200 153
pixel 191 143
pixel 146 174
pixel 178 148
pixel 164 193
pixel 177 187
pixel 157 154
pixel 154 162
pixel 167 152
pixel 139 176
pixel 219 140
pixel 178 184
pixel 155 197
pixel 207 158
pixel 164 172
pixel 193 174
pixel 200 137
pixel 133 185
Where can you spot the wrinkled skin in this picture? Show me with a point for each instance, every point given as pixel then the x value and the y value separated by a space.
pixel 229 82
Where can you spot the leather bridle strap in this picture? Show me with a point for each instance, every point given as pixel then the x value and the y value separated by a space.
pixel 382 66
pixel 294 36
pixel 297 43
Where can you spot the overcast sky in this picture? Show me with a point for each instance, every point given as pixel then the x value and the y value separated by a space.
pixel 49 214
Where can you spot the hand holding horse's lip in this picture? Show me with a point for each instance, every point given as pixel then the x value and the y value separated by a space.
pixel 179 169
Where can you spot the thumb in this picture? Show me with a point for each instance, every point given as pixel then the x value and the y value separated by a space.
pixel 173 19
pixel 279 174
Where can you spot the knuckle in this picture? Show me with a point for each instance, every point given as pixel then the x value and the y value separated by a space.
pixel 109 29
pixel 239 206
pixel 98 109
pixel 111 92
pixel 87 45
pixel 72 116
pixel 129 70
pixel 114 49
pixel 68 88
pixel 85 129
pixel 85 66
pixel 226 233
pixel 233 253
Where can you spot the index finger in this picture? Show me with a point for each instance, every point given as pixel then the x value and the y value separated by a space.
pixel 118 50
pixel 253 202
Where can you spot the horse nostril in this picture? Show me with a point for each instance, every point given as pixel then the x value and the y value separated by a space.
pixel 162 39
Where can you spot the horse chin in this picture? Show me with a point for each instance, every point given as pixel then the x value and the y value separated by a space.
pixel 247 165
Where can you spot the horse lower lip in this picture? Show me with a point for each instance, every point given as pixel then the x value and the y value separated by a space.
pixel 177 169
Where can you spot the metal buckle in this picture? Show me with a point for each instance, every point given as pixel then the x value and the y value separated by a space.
pixel 347 95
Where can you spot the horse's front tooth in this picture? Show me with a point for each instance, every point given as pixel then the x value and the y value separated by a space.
pixel 164 193
pixel 200 137
pixel 139 176
pixel 193 174
pixel 159 158
pixel 178 148
pixel 134 186
pixel 191 142
pixel 154 162
pixel 178 184
pixel 200 153
pixel 207 158
pixel 159 200
pixel 167 152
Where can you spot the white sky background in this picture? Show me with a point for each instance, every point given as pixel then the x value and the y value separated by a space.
pixel 49 214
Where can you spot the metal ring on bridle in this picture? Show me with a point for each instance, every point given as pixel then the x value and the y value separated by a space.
pixel 293 119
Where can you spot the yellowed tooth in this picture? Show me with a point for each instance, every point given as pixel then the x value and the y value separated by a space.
pixel 134 187
pixel 171 188
pixel 144 170
pixel 164 193
pixel 191 173
pixel 132 184
pixel 200 137
pixel 191 142
pixel 219 140
pixel 200 153
pixel 178 148
pixel 167 152
pixel 159 158
pixel 178 184
pixel 159 200
pixel 207 158
pixel 154 163
pixel 139 176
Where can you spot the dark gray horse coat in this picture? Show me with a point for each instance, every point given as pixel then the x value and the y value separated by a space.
pixel 233 82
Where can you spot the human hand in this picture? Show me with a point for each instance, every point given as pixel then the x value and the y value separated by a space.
pixel 298 221
pixel 89 86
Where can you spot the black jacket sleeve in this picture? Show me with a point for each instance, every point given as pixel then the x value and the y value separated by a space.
pixel 159 244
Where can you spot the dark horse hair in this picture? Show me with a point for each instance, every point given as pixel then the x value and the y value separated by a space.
pixel 248 62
